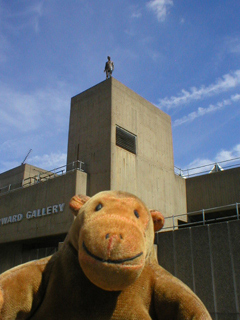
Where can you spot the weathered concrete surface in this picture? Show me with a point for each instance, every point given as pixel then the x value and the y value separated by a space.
pixel 213 190
pixel 149 174
pixel 89 134
pixel 42 195
pixel 207 259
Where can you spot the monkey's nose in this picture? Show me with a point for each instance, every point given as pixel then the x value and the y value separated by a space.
pixel 108 235
pixel 113 241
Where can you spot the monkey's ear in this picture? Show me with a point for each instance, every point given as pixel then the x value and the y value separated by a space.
pixel 77 202
pixel 158 219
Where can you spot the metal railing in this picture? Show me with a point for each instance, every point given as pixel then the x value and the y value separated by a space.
pixel 44 176
pixel 172 222
pixel 208 168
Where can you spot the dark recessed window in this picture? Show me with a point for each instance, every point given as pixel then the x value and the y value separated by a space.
pixel 125 140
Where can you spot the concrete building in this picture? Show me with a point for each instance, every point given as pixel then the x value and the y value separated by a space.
pixel 126 144
pixel 218 195
pixel 120 141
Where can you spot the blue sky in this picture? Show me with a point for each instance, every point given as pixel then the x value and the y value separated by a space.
pixel 183 56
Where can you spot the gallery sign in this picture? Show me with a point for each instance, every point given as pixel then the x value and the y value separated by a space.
pixel 37 213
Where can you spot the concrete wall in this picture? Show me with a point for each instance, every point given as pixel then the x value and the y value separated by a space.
pixel 13 254
pixel 207 259
pixel 31 171
pixel 150 173
pixel 17 206
pixel 14 176
pixel 213 190
pixel 89 135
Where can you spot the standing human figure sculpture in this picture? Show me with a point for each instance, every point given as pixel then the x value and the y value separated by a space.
pixel 109 67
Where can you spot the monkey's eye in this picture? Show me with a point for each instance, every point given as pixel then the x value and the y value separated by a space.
pixel 98 207
pixel 136 214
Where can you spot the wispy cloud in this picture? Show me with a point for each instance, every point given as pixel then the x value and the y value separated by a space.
pixel 35 8
pixel 203 111
pixel 160 8
pixel 28 16
pixel 49 161
pixel 37 12
pixel 227 82
pixel 136 15
pixel 225 155
pixel 226 158
pixel 8 165
pixel 222 155
pixel 233 45
pixel 28 111
pixel 36 120
pixel 182 21
pixel 136 12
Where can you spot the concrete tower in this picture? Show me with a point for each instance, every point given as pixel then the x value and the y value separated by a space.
pixel 126 144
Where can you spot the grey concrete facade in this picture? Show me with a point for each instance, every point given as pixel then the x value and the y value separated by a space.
pixel 40 210
pixel 213 190
pixel 207 259
pixel 13 179
pixel 149 173
pixel 89 135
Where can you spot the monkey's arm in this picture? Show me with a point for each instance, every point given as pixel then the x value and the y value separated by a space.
pixel 20 290
pixel 174 300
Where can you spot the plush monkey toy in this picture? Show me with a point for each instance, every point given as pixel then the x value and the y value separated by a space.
pixel 106 269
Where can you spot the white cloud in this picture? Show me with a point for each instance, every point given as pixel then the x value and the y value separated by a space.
pixel 18 110
pixel 236 97
pixel 16 21
pixel 227 82
pixel 49 161
pixel 223 158
pixel 233 45
pixel 136 15
pixel 33 120
pixel 8 165
pixel 36 12
pixel 30 111
pixel 225 155
pixel 33 9
pixel 25 17
pixel 130 32
pixel 135 11
pixel 160 8
pixel 203 111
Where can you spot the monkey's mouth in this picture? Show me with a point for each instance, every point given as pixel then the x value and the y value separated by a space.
pixel 118 261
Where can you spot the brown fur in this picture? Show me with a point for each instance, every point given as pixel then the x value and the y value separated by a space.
pixel 106 269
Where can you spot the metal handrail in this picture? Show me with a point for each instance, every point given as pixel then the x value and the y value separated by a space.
pixel 185 173
pixel 202 212
pixel 44 176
